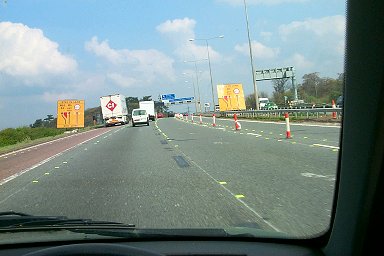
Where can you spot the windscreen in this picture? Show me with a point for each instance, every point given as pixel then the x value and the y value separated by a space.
pixel 214 157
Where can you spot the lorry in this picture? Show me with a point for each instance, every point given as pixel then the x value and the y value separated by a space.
pixel 114 109
pixel 150 107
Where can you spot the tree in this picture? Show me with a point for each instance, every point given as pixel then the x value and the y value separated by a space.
pixel 132 103
pixel 279 86
pixel 250 101
pixel 146 98
pixel 37 123
pixel 160 107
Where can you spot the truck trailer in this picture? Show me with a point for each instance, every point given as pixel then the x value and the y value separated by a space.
pixel 114 109
pixel 150 107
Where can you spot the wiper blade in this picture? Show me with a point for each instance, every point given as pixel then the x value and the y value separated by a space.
pixel 13 219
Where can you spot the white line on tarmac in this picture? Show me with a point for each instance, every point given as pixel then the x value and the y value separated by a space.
pixel 230 192
pixel 325 146
pixel 44 161
pixel 255 134
pixel 41 144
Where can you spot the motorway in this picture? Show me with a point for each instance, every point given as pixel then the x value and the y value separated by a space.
pixel 179 174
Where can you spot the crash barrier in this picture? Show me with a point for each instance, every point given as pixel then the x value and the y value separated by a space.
pixel 277 113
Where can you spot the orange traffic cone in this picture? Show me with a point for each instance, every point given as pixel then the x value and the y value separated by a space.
pixel 333 113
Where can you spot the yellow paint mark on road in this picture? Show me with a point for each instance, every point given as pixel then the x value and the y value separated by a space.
pixel 176 146
pixel 267 138
pixel 293 142
pixel 222 182
pixel 335 150
pixel 239 196
pixel 279 140
pixel 57 167
pixel 65 162
pixel 35 181
pixel 305 137
pixel 261 131
pixel 47 173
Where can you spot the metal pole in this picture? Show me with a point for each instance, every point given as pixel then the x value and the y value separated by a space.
pixel 250 53
pixel 210 73
pixel 198 88
pixel 194 94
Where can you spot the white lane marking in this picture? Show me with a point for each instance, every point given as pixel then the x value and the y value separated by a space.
pixel 313 175
pixel 2 182
pixel 230 192
pixel 38 145
pixel 255 134
pixel 325 146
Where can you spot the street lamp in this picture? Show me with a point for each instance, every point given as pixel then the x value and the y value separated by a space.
pixel 250 53
pixel 197 80
pixel 209 62
pixel 194 92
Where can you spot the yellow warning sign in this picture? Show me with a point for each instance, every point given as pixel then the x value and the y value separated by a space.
pixel 231 97
pixel 70 113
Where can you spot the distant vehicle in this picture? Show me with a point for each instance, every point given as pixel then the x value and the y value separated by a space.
pixel 171 114
pixel 339 101
pixel 262 102
pixel 114 109
pixel 140 116
pixel 160 115
pixel 150 107
pixel 270 106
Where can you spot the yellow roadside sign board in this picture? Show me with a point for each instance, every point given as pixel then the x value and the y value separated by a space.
pixel 70 113
pixel 231 97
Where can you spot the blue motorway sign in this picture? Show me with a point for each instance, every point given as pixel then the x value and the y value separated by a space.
pixel 182 99
pixel 168 96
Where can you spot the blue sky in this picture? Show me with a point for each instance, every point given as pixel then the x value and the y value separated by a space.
pixel 51 50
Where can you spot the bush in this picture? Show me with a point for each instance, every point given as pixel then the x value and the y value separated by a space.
pixel 11 136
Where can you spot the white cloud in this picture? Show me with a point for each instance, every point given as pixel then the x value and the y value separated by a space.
pixel 123 81
pixel 26 51
pixel 332 26
pixel 179 32
pixel 258 50
pixel 261 2
pixel 139 65
pixel 266 35
pixel 183 28
pixel 52 97
pixel 300 62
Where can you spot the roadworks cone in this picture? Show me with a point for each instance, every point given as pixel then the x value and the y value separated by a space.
pixel 237 124
pixel 333 113
pixel 213 120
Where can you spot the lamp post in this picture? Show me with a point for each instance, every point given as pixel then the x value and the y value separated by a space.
pixel 194 92
pixel 197 81
pixel 209 62
pixel 250 53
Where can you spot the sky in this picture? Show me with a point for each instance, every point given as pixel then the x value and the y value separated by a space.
pixel 54 50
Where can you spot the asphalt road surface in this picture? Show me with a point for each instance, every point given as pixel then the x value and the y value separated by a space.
pixel 177 174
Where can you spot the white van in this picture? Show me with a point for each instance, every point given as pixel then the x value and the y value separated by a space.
pixel 262 102
pixel 140 116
